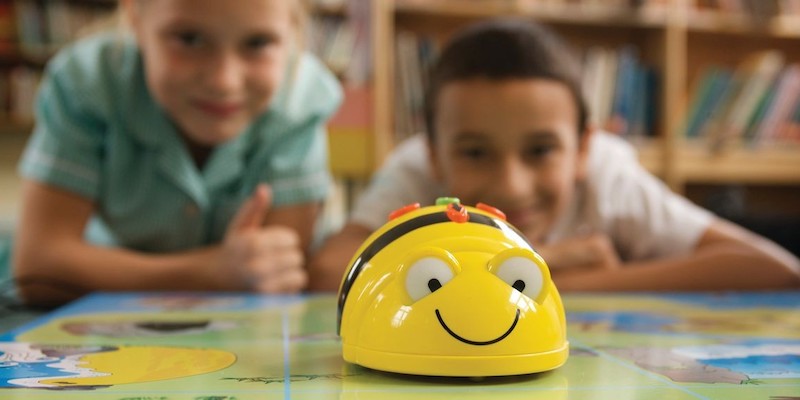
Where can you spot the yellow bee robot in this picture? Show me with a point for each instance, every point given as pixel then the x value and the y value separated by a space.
pixel 450 290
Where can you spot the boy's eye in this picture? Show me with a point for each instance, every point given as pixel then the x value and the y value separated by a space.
pixel 539 151
pixel 258 42
pixel 473 153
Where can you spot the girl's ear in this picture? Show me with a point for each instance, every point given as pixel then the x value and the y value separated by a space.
pixel 584 147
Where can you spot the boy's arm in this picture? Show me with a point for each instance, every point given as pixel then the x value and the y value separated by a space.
pixel 329 264
pixel 53 263
pixel 727 257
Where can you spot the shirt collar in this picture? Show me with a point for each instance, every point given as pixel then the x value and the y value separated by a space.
pixel 149 125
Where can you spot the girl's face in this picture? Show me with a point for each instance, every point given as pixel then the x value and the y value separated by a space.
pixel 213 65
pixel 512 144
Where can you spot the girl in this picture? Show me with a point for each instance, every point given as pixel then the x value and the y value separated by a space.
pixel 507 126
pixel 191 155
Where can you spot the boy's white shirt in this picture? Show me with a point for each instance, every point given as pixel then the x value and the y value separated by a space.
pixel 641 215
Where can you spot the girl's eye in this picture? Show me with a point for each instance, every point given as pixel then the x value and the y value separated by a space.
pixel 189 39
pixel 426 276
pixel 523 274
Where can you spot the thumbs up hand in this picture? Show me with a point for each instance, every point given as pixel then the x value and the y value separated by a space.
pixel 265 259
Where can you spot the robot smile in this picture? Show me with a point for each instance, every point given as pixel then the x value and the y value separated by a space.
pixel 473 342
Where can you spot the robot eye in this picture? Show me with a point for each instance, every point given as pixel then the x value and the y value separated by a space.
pixel 523 275
pixel 426 276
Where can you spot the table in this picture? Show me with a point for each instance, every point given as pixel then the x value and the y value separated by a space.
pixel 174 346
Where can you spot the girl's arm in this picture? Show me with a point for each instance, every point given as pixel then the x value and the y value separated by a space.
pixel 53 263
pixel 727 257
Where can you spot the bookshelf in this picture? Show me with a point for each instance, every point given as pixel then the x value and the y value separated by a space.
pixel 676 39
pixel 31 32
pixel 340 35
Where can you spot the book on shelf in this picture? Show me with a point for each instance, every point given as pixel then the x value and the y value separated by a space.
pixel 620 120
pixel 599 75
pixel 45 26
pixel 764 106
pixel 413 56
pixel 342 40
pixel 753 104
pixel 23 84
pixel 31 32
pixel 779 12
pixel 620 91
pixel 755 75
pixel 332 40
pixel 791 130
pixel 708 93
pixel 787 91
pixel 360 17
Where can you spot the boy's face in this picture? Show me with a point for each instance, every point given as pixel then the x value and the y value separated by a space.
pixel 512 144
pixel 213 65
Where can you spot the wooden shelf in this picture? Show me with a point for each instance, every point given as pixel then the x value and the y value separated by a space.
pixel 332 8
pixel 95 3
pixel 651 155
pixel 457 8
pixel 14 56
pixel 741 24
pixel 10 127
pixel 546 12
pixel 777 165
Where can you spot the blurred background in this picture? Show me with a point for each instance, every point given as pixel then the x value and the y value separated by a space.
pixel 707 90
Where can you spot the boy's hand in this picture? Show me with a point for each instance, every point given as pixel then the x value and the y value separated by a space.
pixel 592 252
pixel 265 259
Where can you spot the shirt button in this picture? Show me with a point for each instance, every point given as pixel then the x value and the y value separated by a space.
pixel 191 210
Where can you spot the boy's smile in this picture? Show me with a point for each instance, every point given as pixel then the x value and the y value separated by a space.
pixel 510 143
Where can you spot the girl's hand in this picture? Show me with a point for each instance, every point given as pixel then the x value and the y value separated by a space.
pixel 265 259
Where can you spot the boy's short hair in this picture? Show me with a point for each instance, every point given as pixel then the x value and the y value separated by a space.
pixel 500 49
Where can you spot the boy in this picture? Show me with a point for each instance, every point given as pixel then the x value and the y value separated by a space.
pixel 507 126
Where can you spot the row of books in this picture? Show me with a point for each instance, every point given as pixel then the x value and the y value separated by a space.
pixel 621 90
pixel 756 103
pixel 332 39
pixel 343 39
pixel 414 56
pixel 756 8
pixel 36 29
pixel 759 9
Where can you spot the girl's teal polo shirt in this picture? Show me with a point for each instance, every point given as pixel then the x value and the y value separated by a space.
pixel 100 134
